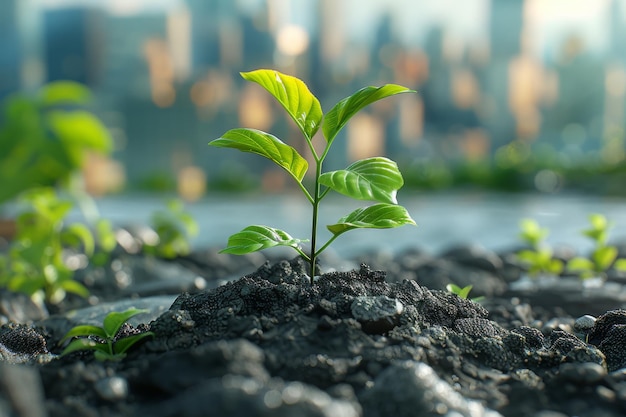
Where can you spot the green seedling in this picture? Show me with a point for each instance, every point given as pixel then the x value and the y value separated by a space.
pixel 45 137
pixel 35 258
pixel 104 340
pixel 35 262
pixel 463 292
pixel 374 179
pixel 174 228
pixel 603 255
pixel 539 258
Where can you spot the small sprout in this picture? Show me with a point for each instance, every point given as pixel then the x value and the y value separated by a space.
pixel 539 259
pixel 463 292
pixel 174 228
pixel 374 179
pixel 35 263
pixel 603 256
pixel 104 340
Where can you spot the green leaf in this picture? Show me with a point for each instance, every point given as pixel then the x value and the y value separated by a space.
pixel 74 287
pixel 293 95
pixel 122 345
pixel 80 130
pixel 114 321
pixel 461 292
pixel 266 145
pixel 84 330
pixel 369 179
pixel 620 264
pixel 103 355
pixel 532 233
pixel 580 264
pixel 105 235
pixel 378 216
pixel 257 237
pixel 65 92
pixel 81 344
pixel 339 115
pixel 555 266
pixel 604 257
pixel 78 232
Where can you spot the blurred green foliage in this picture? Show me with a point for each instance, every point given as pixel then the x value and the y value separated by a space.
pixel 34 263
pixel 44 137
pixel 539 258
pixel 603 256
pixel 174 228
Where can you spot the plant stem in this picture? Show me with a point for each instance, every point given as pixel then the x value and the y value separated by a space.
pixel 316 202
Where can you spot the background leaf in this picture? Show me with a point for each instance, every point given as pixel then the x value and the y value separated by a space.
pixel 113 321
pixel 378 216
pixel 122 345
pixel 339 115
pixel 375 179
pixel 266 145
pixel 257 237
pixel 84 330
pixel 293 94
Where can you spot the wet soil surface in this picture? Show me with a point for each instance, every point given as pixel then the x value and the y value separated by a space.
pixel 249 336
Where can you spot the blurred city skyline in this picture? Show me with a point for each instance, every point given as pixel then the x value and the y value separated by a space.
pixel 495 78
pixel 551 21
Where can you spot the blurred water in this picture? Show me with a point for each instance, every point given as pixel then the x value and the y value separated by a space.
pixel 443 219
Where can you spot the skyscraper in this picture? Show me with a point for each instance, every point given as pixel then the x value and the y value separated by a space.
pixel 20 55
pixel 73 40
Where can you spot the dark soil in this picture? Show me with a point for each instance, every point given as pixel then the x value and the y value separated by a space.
pixel 378 340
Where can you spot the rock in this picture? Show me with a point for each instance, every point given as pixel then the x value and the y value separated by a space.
pixel 474 256
pixel 377 315
pixel 583 326
pixel 20 344
pixel 21 392
pixel 112 388
pixel 60 324
pixel 20 308
pixel 609 334
pixel 582 373
pixel 413 389
pixel 239 396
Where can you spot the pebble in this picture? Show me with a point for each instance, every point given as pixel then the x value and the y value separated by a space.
pixel 114 388
pixel 377 314
pixel 587 373
pixel 583 325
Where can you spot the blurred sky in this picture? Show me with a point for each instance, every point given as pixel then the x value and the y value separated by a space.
pixel 550 21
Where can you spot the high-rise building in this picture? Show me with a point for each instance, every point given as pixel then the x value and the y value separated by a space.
pixel 505 37
pixel 126 39
pixel 20 55
pixel 73 39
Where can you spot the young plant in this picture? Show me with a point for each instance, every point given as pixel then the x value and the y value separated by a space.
pixel 174 227
pixel 35 258
pixel 374 179
pixel 603 256
pixel 463 292
pixel 46 137
pixel 539 258
pixel 104 340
